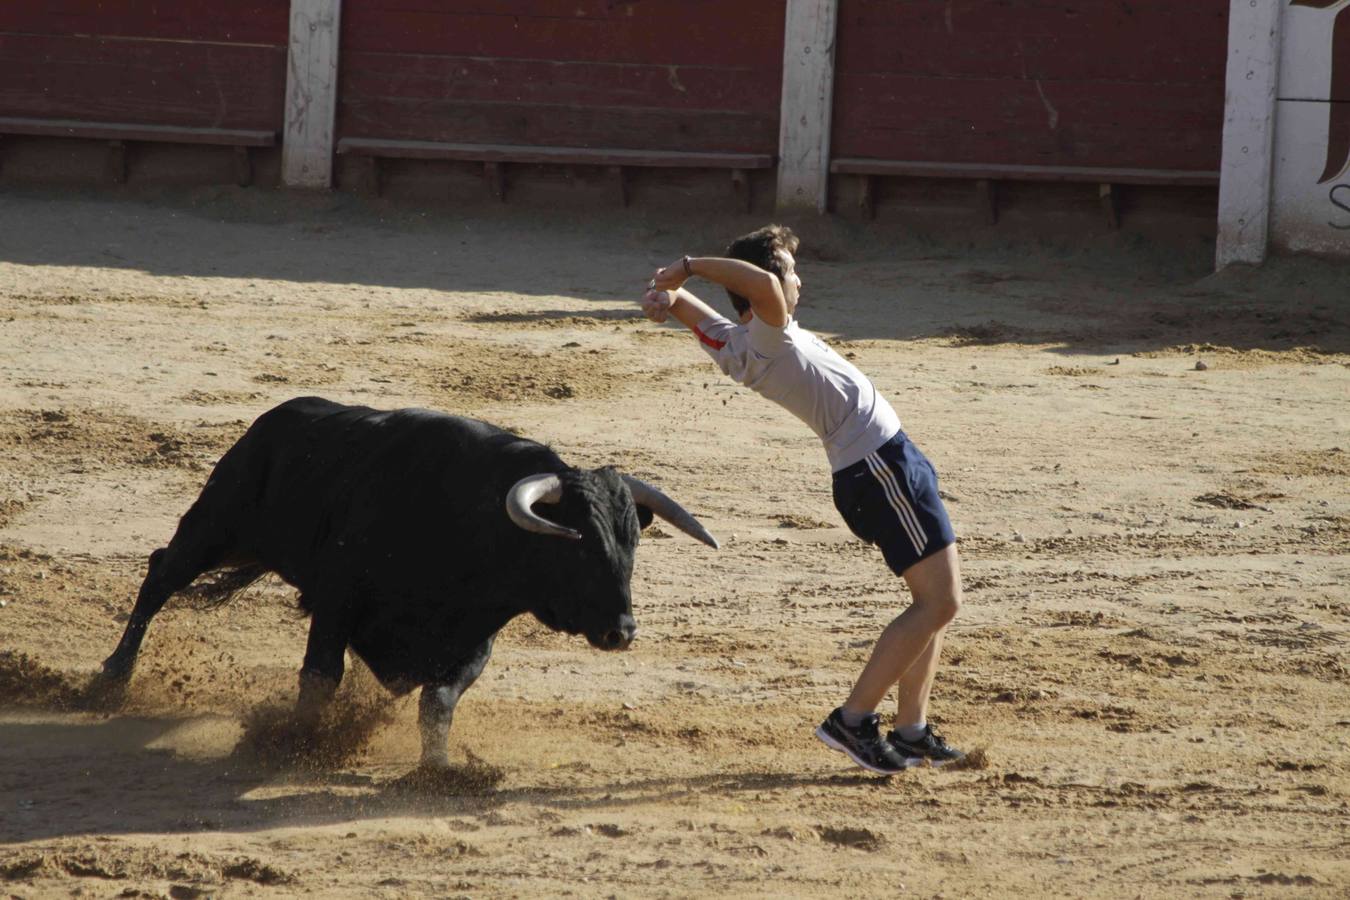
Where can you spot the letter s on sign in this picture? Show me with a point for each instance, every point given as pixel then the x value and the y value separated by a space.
pixel 1340 204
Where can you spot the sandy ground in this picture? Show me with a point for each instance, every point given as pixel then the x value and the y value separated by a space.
pixel 1151 658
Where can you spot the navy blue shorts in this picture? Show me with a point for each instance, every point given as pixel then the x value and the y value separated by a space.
pixel 891 499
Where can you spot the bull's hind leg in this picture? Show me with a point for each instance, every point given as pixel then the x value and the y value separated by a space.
pixel 193 550
pixel 436 709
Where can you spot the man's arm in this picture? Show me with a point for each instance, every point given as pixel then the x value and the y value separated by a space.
pixel 761 288
pixel 688 309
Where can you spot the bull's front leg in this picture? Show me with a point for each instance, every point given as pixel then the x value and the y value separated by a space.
pixel 325 660
pixel 436 709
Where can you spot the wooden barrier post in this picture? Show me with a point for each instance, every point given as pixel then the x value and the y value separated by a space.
pixel 808 97
pixel 1248 131
pixel 311 93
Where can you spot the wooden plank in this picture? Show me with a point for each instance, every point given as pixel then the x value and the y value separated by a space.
pixel 1091 19
pixel 649 33
pixel 1003 172
pixel 402 77
pixel 1036 82
pixel 807 101
pixel 154 82
pixel 172 134
pixel 237 22
pixel 595 156
pixel 560 126
pixel 1165 55
pixel 311 94
pixel 970 120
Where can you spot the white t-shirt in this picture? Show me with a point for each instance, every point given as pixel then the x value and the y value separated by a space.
pixel 798 371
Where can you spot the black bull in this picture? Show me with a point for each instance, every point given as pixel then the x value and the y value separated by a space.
pixel 412 538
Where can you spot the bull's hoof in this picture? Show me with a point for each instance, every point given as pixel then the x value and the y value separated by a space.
pixel 106 692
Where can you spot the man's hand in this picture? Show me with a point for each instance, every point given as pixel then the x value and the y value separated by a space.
pixel 671 278
pixel 656 305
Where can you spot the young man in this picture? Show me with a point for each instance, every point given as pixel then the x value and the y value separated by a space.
pixel 884 487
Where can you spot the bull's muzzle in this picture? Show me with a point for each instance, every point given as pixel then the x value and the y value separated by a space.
pixel 617 638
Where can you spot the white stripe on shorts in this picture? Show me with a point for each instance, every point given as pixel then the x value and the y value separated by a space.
pixel 899 502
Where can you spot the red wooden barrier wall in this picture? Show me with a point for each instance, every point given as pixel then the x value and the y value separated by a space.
pixel 189 62
pixel 697 75
pixel 1133 83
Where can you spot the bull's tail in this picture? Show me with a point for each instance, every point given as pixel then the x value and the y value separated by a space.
pixel 221 586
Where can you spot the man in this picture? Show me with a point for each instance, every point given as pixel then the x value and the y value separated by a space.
pixel 884 487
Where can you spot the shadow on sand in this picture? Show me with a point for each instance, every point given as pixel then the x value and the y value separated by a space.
pixel 70 775
pixel 1115 293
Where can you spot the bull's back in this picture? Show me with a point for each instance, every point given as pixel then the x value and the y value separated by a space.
pixel 310 470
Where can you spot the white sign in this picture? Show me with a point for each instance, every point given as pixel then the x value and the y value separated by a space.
pixel 1310 202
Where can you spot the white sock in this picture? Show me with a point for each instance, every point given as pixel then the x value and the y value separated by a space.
pixel 912 732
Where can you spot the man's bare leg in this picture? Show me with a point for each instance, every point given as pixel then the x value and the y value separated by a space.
pixel 915 685
pixel 935 586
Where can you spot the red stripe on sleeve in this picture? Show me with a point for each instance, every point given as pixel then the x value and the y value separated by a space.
pixel 715 344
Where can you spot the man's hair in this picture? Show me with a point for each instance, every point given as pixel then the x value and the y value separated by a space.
pixel 761 247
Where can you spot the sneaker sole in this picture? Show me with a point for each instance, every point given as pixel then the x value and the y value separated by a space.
pixel 824 737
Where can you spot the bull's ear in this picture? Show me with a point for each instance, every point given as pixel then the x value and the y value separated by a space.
pixel 645 516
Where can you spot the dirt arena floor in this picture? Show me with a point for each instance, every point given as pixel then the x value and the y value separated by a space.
pixel 1151 661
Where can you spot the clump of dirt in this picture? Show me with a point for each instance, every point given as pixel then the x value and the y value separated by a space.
pixel 556 319
pixel 795 521
pixel 858 838
pixel 978 758
pixel 273 737
pixel 987 334
pixel 246 868
pixel 1239 358
pixel 28 683
pixel 85 861
pixel 61 298
pixel 24 867
pixel 482 373
pixel 1333 461
pixel 1226 500
pixel 80 438
pixel 9 508
pixel 1073 371
pixel 477 776
pixel 1077 618
pixel 210 398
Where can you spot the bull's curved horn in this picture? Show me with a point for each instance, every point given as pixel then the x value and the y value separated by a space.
pixel 534 489
pixel 648 496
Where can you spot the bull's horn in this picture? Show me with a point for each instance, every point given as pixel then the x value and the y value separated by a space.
pixel 537 489
pixel 648 496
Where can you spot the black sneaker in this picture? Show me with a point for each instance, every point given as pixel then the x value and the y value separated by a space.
pixel 864 744
pixel 930 747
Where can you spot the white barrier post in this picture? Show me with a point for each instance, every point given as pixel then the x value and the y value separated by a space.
pixel 311 94
pixel 1248 131
pixel 807 101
